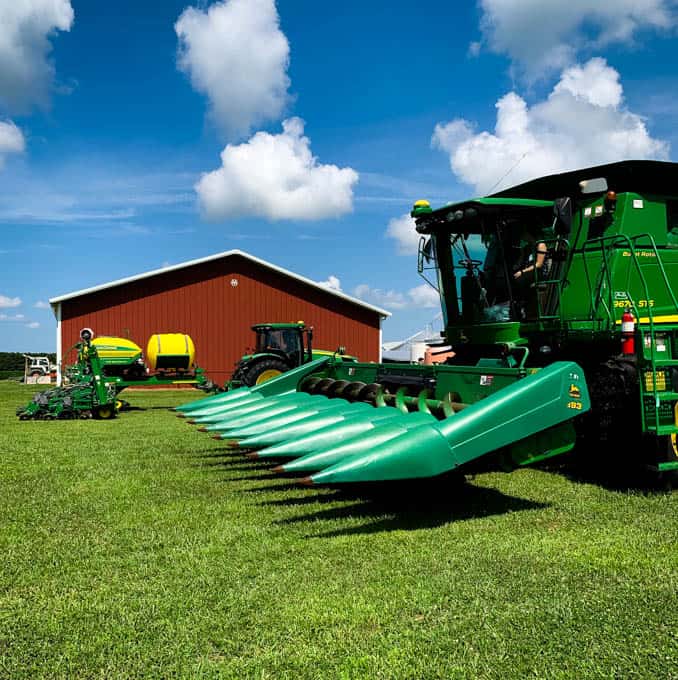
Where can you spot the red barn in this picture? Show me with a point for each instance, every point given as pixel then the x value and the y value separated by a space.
pixel 216 300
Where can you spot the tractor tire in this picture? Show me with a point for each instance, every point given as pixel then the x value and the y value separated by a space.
pixel 104 412
pixel 262 370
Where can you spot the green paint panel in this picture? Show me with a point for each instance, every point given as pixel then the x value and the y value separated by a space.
pixel 360 444
pixel 265 407
pixel 273 410
pixel 533 404
pixel 269 424
pixel 332 435
pixel 305 425
pixel 213 400
pixel 246 400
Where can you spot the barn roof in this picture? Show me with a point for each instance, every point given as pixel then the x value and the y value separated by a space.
pixel 239 253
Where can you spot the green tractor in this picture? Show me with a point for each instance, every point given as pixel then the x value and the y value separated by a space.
pixel 279 347
pixel 559 298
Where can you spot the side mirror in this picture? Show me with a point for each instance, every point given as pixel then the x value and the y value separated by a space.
pixel 562 211
pixel 598 185
pixel 424 254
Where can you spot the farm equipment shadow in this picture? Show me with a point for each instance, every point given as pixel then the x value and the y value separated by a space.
pixel 610 468
pixel 406 506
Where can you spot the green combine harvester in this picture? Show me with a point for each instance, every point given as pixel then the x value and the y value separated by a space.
pixel 107 365
pixel 558 300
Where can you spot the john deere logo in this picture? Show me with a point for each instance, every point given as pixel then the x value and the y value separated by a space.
pixel 575 392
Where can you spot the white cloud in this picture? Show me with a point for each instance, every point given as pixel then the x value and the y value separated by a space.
pixel 79 191
pixel 402 230
pixel 26 74
pixel 424 296
pixel 418 297
pixel 6 302
pixel 332 282
pixel 276 177
pixel 11 140
pixel 390 299
pixel 41 304
pixel 546 35
pixel 33 324
pixel 12 317
pixel 236 54
pixel 583 122
pixel 595 82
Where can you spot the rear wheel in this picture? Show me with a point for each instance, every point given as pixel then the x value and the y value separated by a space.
pixel 264 369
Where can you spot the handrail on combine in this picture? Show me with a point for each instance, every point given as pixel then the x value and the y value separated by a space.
pixel 554 246
pixel 608 245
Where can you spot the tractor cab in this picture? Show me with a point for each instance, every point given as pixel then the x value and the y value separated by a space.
pixel 292 342
pixel 278 347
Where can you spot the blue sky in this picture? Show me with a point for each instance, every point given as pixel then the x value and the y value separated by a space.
pixel 333 119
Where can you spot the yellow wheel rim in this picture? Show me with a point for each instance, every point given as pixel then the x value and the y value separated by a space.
pixel 674 445
pixel 267 375
pixel 106 412
pixel 118 404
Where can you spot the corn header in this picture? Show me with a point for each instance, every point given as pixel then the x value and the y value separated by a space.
pixel 107 365
pixel 558 298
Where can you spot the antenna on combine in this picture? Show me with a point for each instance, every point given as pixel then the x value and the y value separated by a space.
pixel 508 172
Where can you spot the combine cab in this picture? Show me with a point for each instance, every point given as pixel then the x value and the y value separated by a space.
pixel 558 297
pixel 279 347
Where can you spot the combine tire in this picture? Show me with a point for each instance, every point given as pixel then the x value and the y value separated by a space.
pixel 263 370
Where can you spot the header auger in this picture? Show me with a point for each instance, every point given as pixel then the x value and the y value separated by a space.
pixel 558 298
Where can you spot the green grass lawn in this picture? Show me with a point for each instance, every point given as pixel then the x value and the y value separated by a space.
pixel 139 547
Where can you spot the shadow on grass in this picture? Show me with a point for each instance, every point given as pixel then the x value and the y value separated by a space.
pixel 614 466
pixel 237 464
pixel 131 408
pixel 283 485
pixel 407 506
pixel 225 452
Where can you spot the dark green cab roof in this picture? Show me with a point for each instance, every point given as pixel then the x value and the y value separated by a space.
pixel 657 178
pixel 279 326
pixel 490 202
pixel 652 177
